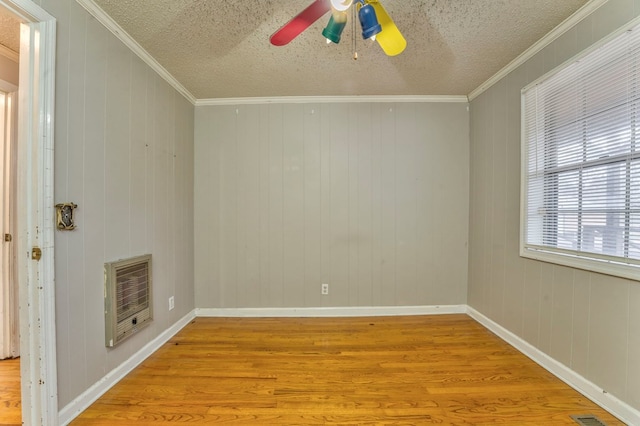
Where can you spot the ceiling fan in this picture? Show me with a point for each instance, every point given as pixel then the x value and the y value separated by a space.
pixel 374 20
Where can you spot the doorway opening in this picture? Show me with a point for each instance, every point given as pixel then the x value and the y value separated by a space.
pixel 9 333
pixel 9 322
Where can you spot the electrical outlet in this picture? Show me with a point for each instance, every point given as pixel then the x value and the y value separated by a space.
pixel 325 289
pixel 171 303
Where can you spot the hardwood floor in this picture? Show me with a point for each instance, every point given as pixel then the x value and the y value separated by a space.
pixel 410 370
pixel 10 408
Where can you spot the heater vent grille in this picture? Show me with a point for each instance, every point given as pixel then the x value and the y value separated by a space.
pixel 588 420
pixel 128 306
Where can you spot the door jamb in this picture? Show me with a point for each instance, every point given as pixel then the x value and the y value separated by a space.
pixel 36 210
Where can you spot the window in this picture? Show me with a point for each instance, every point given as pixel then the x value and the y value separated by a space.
pixel 581 161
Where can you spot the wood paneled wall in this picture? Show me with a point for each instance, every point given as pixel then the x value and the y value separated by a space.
pixel 124 155
pixel 371 198
pixel 587 321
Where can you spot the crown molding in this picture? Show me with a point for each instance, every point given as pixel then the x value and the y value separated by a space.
pixel 551 36
pixel 9 54
pixel 123 36
pixel 329 99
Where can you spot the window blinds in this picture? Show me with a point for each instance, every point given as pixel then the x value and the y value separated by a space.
pixel 581 165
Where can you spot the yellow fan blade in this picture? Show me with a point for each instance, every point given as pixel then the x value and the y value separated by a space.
pixel 390 39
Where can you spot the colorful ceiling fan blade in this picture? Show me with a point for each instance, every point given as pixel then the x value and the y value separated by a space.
pixel 300 22
pixel 390 39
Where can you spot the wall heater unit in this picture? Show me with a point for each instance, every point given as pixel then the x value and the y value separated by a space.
pixel 127 298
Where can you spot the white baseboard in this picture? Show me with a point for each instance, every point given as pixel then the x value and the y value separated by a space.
pixel 83 401
pixel 354 311
pixel 616 407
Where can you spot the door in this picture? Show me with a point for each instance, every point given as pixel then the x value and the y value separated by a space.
pixel 9 331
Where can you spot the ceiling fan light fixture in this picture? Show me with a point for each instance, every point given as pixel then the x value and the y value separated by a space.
pixel 333 30
pixel 374 20
pixel 369 22
pixel 341 5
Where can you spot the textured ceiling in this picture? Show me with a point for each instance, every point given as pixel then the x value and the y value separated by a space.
pixel 9 30
pixel 221 49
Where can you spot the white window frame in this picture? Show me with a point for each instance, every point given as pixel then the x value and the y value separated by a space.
pixel 626 268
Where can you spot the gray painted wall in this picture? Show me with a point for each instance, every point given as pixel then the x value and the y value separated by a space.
pixel 587 321
pixel 124 155
pixel 371 198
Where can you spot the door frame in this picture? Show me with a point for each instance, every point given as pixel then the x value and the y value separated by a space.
pixel 38 370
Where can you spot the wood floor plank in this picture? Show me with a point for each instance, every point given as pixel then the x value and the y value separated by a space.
pixel 444 369
pixel 10 406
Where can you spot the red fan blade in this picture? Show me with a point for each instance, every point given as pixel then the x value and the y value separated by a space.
pixel 301 22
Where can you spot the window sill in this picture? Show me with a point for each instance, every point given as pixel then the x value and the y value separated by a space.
pixel 607 267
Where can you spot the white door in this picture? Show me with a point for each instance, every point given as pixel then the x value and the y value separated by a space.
pixel 9 331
